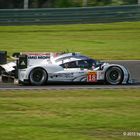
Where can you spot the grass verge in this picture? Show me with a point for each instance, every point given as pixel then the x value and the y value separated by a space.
pixel 100 41
pixel 69 115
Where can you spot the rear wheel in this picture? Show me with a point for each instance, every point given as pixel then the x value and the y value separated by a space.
pixel 114 75
pixel 38 76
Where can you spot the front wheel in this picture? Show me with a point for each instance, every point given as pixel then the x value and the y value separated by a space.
pixel 114 75
pixel 38 76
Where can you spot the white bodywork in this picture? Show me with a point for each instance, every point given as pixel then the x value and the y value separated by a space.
pixel 54 63
pixel 9 66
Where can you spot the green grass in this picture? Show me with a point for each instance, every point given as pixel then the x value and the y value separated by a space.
pixel 100 41
pixel 69 115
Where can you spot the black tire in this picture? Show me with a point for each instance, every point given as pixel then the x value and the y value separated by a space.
pixel 114 75
pixel 38 76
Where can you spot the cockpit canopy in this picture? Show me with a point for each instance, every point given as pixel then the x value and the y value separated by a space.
pixel 87 63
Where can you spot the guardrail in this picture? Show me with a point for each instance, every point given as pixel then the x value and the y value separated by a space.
pixel 70 15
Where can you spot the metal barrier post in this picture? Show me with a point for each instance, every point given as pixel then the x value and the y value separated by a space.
pixel 85 2
pixel 26 4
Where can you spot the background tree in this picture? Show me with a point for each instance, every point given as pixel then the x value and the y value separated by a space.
pixel 9 4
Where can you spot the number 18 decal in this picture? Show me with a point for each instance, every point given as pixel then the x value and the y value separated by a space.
pixel 92 76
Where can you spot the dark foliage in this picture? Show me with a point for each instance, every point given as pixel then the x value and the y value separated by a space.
pixel 9 4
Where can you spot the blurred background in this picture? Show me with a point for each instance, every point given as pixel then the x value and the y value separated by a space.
pixel 10 4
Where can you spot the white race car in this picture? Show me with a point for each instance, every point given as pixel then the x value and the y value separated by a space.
pixel 42 68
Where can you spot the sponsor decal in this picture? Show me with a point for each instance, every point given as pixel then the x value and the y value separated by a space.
pixel 22 63
pixel 62 75
pixel 38 57
pixel 92 76
pixel 65 75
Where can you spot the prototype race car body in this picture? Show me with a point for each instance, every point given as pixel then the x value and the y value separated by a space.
pixel 42 68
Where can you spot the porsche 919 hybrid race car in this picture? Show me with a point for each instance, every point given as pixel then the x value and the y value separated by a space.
pixel 42 68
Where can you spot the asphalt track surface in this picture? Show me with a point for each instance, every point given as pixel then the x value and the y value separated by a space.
pixel 133 66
